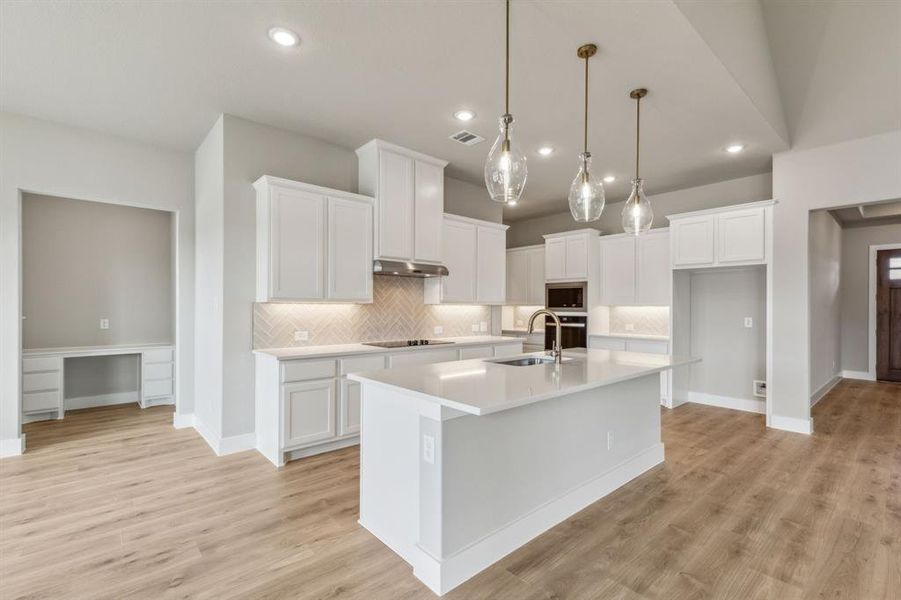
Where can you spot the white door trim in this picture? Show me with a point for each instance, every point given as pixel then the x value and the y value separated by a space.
pixel 871 319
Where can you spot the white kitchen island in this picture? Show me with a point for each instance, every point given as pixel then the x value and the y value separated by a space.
pixel 461 463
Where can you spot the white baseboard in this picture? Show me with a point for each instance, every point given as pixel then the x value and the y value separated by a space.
pixel 756 405
pixel 824 389
pixel 441 576
pixel 865 375
pixel 183 421
pixel 101 400
pixel 225 445
pixel 12 446
pixel 237 443
pixel 792 424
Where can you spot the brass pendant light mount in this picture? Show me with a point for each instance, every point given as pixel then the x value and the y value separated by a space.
pixel 587 51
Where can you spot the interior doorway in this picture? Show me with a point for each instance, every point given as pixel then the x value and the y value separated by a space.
pixel 888 315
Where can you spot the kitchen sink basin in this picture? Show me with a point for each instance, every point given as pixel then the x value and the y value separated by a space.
pixel 528 361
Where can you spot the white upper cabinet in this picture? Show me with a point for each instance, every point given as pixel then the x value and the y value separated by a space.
pixel 555 259
pixel 653 268
pixel 395 206
pixel 635 270
pixel 618 276
pixel 409 201
pixel 460 260
pixel 349 249
pixel 313 243
pixel 428 211
pixel 491 254
pixel 474 253
pixel 732 235
pixel 525 276
pixel 568 256
pixel 740 236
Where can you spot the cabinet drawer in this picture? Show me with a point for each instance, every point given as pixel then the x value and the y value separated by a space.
pixel 605 343
pixel 157 371
pixel 300 370
pixel 477 352
pixel 157 356
pixel 39 382
pixel 41 401
pixel 423 357
pixel 648 346
pixel 43 363
pixel 358 364
pixel 157 388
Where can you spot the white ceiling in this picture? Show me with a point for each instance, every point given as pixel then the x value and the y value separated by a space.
pixel 162 72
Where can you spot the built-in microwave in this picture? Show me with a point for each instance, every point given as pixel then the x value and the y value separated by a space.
pixel 566 297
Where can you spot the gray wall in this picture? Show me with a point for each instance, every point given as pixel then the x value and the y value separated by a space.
pixel 83 261
pixel 825 251
pixel 732 355
pixel 98 375
pixel 855 326
pixel 470 200
pixel 724 193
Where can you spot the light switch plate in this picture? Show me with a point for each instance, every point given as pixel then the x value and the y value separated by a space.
pixel 301 336
pixel 483 326
pixel 104 323
pixel 749 322
pixel 438 330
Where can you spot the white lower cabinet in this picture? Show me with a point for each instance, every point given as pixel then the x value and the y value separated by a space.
pixel 309 411
pixel 635 345
pixel 309 406
pixel 349 408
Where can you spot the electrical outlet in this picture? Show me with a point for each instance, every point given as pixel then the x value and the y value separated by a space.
pixel 483 326
pixel 438 330
pixel 475 327
pixel 630 326
pixel 760 388
pixel 428 449
pixel 609 440
pixel 301 336
pixel 749 322
pixel 104 323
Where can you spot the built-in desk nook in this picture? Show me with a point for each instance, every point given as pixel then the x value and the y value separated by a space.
pixel 44 376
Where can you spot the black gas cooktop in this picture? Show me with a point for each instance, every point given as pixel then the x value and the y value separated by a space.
pixel 405 343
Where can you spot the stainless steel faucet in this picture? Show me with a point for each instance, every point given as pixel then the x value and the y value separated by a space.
pixel 556 349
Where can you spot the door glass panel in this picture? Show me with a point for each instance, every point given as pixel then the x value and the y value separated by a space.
pixel 894 262
pixel 894 274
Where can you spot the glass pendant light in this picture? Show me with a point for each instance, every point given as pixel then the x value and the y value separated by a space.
pixel 586 194
pixel 505 168
pixel 637 213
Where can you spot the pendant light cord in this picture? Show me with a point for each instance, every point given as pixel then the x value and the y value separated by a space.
pixel 585 141
pixel 637 132
pixel 507 66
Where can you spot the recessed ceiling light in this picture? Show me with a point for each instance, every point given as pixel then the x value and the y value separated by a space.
pixel 464 115
pixel 545 151
pixel 511 203
pixel 283 37
pixel 735 148
pixel 609 178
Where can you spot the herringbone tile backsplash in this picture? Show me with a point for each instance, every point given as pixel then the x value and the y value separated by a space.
pixel 647 320
pixel 397 312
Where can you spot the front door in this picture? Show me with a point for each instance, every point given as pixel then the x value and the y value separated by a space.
pixel 888 315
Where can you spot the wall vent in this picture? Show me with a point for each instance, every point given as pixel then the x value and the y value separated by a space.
pixel 467 138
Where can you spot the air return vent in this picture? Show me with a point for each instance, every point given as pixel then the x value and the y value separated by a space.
pixel 467 138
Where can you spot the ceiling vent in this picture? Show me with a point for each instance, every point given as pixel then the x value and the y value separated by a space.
pixel 467 138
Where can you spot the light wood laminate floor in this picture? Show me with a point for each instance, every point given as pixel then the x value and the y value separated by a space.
pixel 115 503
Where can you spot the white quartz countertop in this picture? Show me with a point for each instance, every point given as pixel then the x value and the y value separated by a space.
pixel 351 349
pixel 99 350
pixel 632 336
pixel 482 386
